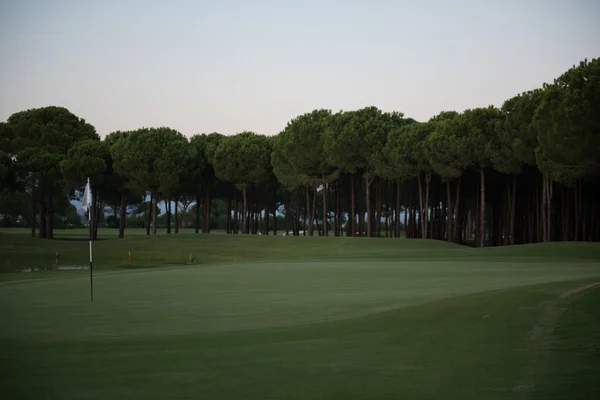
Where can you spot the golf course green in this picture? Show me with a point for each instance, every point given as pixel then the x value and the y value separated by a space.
pixel 276 317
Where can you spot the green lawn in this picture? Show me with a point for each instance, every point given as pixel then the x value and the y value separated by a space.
pixel 298 318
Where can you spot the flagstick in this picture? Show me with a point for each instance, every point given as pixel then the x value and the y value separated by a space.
pixel 91 278
pixel 89 190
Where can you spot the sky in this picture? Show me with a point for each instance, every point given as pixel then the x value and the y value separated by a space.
pixel 229 66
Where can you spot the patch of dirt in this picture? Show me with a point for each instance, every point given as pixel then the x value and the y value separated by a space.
pixel 571 292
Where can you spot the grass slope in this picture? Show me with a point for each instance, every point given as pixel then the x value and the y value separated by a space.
pixel 301 318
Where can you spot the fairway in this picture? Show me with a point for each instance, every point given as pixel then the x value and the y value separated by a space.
pixel 339 318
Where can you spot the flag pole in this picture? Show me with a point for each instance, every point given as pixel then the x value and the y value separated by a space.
pixel 89 190
pixel 91 276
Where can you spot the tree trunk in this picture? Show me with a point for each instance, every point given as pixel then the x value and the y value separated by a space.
pixel 313 214
pixel 49 218
pixel 379 200
pixel 352 207
pixel 307 214
pixel 154 201
pixel 33 214
pixel 176 215
pixel 206 210
pixel 482 209
pixel 228 224
pixel 245 211
pixel 42 219
pixel 448 213
pixel 287 216
pixel 148 214
pixel 337 208
pixel 426 211
pixel 325 209
pixel 168 211
pixel 513 210
pixel 457 222
pixel 122 215
pixel 368 205
pixel 421 202
pixel 407 209
pixel 96 215
pixel 197 212
pixel 267 215
pixel 549 194
pixel 236 214
pixel 397 214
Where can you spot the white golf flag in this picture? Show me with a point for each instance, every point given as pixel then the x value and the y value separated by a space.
pixel 87 196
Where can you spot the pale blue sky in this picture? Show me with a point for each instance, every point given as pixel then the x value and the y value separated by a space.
pixel 228 66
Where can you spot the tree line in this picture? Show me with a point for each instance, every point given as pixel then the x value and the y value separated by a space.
pixel 523 173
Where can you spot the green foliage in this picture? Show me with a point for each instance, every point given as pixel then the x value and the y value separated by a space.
pixel 516 135
pixel 568 125
pixel 153 158
pixel 87 158
pixel 445 146
pixel 480 128
pixel 54 128
pixel 403 156
pixel 242 159
pixel 300 150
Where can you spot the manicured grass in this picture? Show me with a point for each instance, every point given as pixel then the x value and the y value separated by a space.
pixel 300 318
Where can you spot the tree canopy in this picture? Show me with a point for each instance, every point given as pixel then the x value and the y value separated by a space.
pixel 365 172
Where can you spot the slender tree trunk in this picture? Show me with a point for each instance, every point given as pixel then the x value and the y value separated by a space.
pixel 122 215
pixel 577 211
pixel 257 218
pixel 307 213
pixel 206 210
pixel 176 215
pixel 379 207
pixel 388 216
pixel 33 214
pixel 245 211
pixel 426 212
pixel 317 220
pixel 294 209
pixel 352 206
pixel 325 230
pixel 287 216
pixel 549 195
pixel 406 212
pixel 236 215
pixel 482 216
pixel 563 214
pixel 49 218
pixel 313 213
pixel 368 205
pixel 513 210
pixel 421 206
pixel 543 210
pixel 148 214
pixel 197 212
pixel 42 218
pixel 397 218
pixel 448 213
pixel 95 215
pixel 228 218
pixel 531 219
pixel 168 211
pixel 154 206
pixel 337 208
pixel 267 215
pixel 458 222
